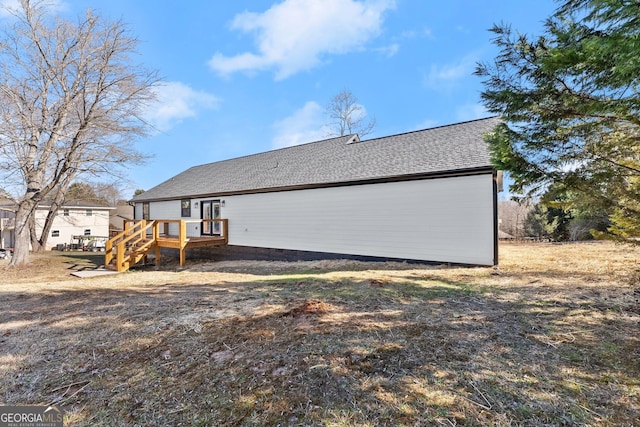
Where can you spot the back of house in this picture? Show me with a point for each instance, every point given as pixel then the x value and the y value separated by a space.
pixel 428 195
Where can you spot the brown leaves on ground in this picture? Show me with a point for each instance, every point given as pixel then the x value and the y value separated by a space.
pixel 309 307
pixel 551 340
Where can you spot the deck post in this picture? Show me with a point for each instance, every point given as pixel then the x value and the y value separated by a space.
pixel 182 256
pixel 183 242
pixel 120 257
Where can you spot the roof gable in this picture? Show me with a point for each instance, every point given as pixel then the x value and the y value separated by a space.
pixel 336 161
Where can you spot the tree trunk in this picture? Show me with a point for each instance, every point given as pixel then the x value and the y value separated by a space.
pixel 56 203
pixel 41 240
pixel 36 246
pixel 21 247
pixel 46 229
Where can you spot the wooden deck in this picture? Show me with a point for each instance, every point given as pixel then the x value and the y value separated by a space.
pixel 139 238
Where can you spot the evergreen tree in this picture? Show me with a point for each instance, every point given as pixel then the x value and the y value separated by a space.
pixel 545 222
pixel 571 106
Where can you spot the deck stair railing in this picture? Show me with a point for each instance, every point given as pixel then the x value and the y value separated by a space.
pixel 131 246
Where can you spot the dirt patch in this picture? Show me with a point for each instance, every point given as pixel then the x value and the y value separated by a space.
pixel 548 339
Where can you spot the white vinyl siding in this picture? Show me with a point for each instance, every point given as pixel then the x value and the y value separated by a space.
pixel 443 220
pixel 172 209
pixel 165 210
pixel 137 211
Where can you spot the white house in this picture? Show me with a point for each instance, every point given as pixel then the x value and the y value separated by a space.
pixel 74 218
pixel 428 195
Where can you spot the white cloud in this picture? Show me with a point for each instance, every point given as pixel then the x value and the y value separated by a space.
pixel 176 102
pixel 10 7
pixel 295 35
pixel 471 112
pixel 389 50
pixel 448 75
pixel 304 125
pixel 425 32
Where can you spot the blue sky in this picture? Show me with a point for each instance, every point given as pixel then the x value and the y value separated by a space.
pixel 242 77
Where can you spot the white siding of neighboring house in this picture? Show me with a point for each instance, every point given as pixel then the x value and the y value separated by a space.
pixel 7 223
pixel 442 220
pixel 74 224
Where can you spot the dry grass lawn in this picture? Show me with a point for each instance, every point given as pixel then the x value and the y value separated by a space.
pixel 550 339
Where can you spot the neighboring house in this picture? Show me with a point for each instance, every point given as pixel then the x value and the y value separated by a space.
pixel 428 195
pixel 117 218
pixel 74 218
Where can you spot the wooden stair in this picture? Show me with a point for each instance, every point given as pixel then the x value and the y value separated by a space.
pixel 131 246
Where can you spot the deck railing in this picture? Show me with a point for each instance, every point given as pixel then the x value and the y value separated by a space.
pixel 185 229
pixel 173 227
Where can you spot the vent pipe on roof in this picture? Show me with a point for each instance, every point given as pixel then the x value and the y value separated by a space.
pixel 354 138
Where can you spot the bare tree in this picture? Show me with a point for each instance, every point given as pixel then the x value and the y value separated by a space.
pixel 512 216
pixel 110 193
pixel 347 116
pixel 70 104
pixel 100 193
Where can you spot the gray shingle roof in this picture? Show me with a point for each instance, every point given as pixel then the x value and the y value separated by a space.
pixel 456 147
